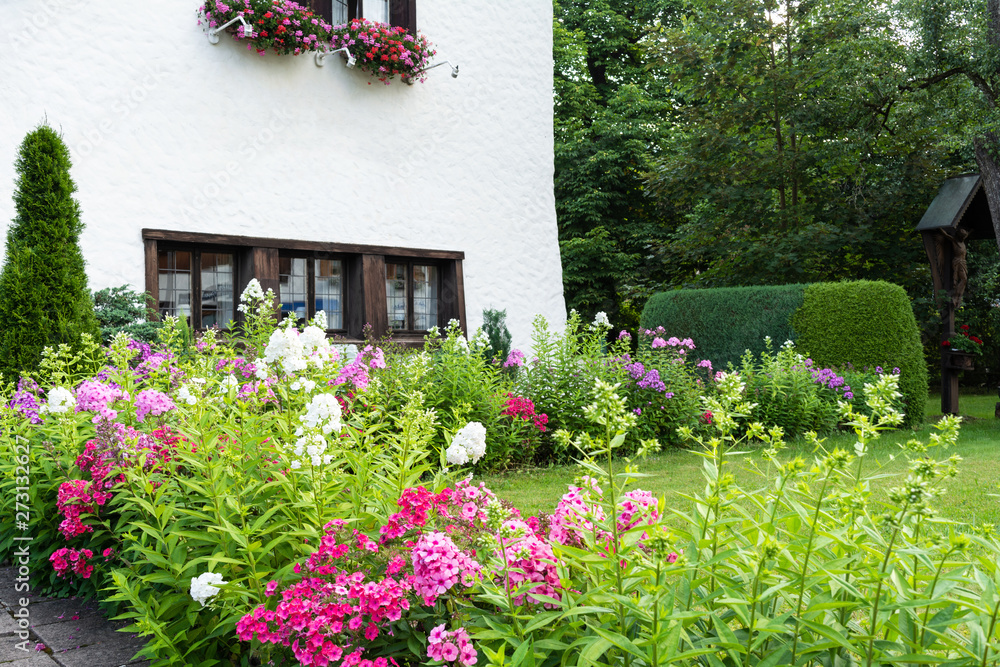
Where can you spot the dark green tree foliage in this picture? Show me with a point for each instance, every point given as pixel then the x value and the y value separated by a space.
pixel 725 322
pixel 44 298
pixel 495 328
pixel 865 324
pixel 611 112
pixel 799 151
pixel 123 309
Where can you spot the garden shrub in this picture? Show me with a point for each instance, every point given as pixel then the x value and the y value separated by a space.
pixel 124 309
pixel 495 328
pixel 660 381
pixel 725 322
pixel 44 298
pixel 867 325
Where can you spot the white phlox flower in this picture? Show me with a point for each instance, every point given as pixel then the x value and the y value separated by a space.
pixel 206 586
pixel 323 413
pixel 60 400
pixel 469 444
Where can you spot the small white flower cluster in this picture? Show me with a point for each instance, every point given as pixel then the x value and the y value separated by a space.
pixel 60 400
pixel 469 444
pixel 306 384
pixel 293 350
pixel 253 291
pixel 184 394
pixel 313 447
pixel 601 321
pixel 480 339
pixel 206 586
pixel 323 413
pixel 319 320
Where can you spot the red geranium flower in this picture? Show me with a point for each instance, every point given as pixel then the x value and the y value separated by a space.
pixel 945 343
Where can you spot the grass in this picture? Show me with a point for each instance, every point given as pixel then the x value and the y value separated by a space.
pixel 674 472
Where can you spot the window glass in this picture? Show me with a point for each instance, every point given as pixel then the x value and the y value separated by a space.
pixel 293 288
pixel 216 289
pixel 175 282
pixel 339 12
pixel 395 294
pixel 377 10
pixel 330 290
pixel 425 297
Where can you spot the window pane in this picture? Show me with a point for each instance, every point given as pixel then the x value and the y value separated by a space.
pixel 377 10
pixel 216 289
pixel 339 12
pixel 425 297
pixel 175 282
pixel 330 290
pixel 395 294
pixel 293 286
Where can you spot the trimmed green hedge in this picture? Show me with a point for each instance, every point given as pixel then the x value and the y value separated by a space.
pixel 725 322
pixel 865 323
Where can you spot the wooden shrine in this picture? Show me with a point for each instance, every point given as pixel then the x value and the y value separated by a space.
pixel 958 214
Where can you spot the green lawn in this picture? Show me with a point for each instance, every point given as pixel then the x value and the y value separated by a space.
pixel 966 500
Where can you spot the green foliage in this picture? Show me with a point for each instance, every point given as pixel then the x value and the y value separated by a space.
pixel 495 328
pixel 802 152
pixel 865 324
pixel 725 322
pixel 610 112
pixel 44 298
pixel 124 309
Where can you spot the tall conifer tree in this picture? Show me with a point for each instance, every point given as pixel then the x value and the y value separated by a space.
pixel 44 299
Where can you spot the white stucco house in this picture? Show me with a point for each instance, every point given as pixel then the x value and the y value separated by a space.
pixel 200 165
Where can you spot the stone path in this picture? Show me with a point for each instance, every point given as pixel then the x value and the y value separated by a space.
pixel 69 633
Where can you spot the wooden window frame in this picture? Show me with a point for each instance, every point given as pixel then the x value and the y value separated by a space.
pixel 196 287
pixel 364 298
pixel 410 262
pixel 310 258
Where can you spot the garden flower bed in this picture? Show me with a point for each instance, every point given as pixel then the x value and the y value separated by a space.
pixel 292 502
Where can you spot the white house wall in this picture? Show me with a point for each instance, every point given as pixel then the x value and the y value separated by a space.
pixel 167 131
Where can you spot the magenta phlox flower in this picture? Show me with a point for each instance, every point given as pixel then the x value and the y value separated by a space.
pixel 529 560
pixel 451 646
pixel 68 560
pixel 438 565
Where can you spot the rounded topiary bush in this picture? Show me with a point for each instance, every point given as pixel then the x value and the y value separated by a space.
pixel 725 322
pixel 866 324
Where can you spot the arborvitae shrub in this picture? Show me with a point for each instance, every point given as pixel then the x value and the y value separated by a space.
pixel 865 324
pixel 44 298
pixel 495 328
pixel 725 322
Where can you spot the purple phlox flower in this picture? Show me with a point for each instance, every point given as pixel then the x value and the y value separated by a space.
pixel 515 358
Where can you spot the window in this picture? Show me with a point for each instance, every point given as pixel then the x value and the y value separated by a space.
pixel 400 291
pixel 411 293
pixel 394 12
pixel 198 284
pixel 310 284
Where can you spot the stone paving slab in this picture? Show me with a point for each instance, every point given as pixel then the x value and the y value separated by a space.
pixel 57 611
pixel 36 660
pixel 73 631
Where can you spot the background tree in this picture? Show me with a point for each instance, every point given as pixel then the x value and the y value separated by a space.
pixel 611 113
pixel 798 154
pixel 44 298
